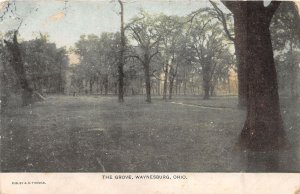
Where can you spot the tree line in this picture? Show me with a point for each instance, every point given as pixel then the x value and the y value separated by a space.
pixel 161 51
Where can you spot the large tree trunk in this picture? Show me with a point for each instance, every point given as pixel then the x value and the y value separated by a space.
pixel 121 57
pixel 240 38
pixel 18 66
pixel 263 128
pixel 147 81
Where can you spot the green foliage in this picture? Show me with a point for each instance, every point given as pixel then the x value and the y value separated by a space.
pixel 98 59
pixel 45 64
pixel 211 56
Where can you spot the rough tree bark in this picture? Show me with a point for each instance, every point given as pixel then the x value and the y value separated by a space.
pixel 263 128
pixel 18 66
pixel 240 31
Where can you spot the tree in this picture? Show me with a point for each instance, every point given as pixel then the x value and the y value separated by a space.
pixel 8 83
pixel 110 61
pixel 285 30
pixel 171 31
pixel 121 56
pixel 98 59
pixel 88 49
pixel 18 65
pixel 207 44
pixel 263 128
pixel 144 32
pixel 45 64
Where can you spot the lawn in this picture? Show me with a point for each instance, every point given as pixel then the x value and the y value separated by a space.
pixel 96 134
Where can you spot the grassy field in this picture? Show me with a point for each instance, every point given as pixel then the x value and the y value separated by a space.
pixel 96 134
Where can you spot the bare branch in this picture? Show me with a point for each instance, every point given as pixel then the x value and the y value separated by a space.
pixel 156 41
pixel 156 76
pixel 223 20
pixel 136 57
pixel 137 36
pixel 155 53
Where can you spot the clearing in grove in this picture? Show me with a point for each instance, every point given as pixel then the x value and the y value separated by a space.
pixel 97 134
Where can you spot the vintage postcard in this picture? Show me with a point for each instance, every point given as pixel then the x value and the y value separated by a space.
pixel 151 96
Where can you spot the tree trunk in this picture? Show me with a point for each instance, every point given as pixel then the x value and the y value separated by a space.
pixel 263 128
pixel 18 66
pixel 184 82
pixel 212 90
pixel 206 81
pixel 229 87
pixel 106 85
pixel 98 85
pixel 91 86
pixel 176 87
pixel 121 57
pixel 165 81
pixel 141 88
pixel 184 88
pixel 206 91
pixel 101 88
pixel 116 88
pixel 240 38
pixel 171 88
pixel 158 87
pixel 147 81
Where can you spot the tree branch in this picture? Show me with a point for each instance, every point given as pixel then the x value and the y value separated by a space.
pixel 135 56
pixel 222 19
pixel 155 53
pixel 155 76
pixel 137 36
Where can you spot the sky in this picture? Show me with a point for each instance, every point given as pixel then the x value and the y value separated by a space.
pixel 65 22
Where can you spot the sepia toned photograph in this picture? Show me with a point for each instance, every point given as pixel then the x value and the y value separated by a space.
pixel 127 86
